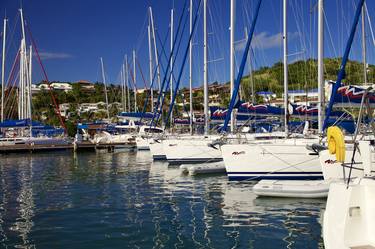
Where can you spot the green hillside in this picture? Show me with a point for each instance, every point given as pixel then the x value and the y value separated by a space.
pixel 303 75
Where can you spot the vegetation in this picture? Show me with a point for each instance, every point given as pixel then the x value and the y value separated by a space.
pixel 302 75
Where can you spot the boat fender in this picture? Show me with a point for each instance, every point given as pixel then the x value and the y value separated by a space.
pixel 336 143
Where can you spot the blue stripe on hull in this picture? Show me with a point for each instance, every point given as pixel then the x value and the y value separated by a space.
pixel 256 176
pixel 194 160
pixel 159 158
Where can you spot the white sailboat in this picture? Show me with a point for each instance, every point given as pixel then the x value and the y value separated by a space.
pixel 286 158
pixel 20 132
pixel 195 148
pixel 349 216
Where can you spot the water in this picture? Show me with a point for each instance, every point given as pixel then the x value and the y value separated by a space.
pixel 124 200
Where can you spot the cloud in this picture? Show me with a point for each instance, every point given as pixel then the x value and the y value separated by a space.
pixel 264 40
pixel 54 55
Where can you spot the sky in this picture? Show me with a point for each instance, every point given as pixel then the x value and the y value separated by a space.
pixel 72 35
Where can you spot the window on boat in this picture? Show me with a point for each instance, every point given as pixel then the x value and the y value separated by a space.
pixel 153 130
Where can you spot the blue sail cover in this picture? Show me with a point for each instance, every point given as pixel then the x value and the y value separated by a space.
pixel 351 96
pixel 15 123
pixel 137 115
pixel 247 109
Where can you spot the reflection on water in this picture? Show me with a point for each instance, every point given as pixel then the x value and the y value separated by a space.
pixel 117 200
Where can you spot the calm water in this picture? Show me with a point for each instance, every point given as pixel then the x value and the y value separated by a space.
pixel 124 200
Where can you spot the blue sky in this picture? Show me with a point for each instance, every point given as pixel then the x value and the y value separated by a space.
pixel 73 34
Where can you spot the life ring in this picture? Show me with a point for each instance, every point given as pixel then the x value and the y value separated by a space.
pixel 336 143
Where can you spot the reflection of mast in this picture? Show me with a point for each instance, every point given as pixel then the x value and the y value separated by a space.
pixel 26 209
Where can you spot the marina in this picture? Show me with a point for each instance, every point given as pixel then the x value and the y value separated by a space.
pixel 225 124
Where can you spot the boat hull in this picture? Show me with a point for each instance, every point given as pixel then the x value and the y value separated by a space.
pixel 191 151
pixel 287 159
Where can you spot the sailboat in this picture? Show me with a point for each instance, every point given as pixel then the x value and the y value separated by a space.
pixel 24 133
pixel 195 148
pixel 273 158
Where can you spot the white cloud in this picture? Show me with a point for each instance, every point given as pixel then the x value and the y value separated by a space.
pixel 264 40
pixel 54 55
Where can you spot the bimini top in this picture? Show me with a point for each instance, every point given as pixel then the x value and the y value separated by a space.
pixel 136 115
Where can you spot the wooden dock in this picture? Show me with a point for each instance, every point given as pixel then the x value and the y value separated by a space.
pixel 81 146
pixel 34 147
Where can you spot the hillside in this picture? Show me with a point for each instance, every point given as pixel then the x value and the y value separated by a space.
pixel 303 75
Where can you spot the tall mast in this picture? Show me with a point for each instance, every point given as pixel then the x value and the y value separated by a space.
pixel 150 66
pixel 127 81
pixel 122 89
pixel 134 81
pixel 364 45
pixel 232 16
pixel 105 86
pixel 22 70
pixel 125 86
pixel 285 40
pixel 171 65
pixel 191 68
pixel 205 75
pixel 155 49
pixel 321 95
pixel 3 70
pixel 29 97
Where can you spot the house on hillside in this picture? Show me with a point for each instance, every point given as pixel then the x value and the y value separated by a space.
pixel 86 86
pixel 62 86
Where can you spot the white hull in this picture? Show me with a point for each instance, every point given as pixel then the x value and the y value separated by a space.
pixel 349 218
pixel 191 150
pixel 336 170
pixel 286 159
pixel 292 189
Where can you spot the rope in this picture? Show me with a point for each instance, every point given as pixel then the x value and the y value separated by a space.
pixel 57 109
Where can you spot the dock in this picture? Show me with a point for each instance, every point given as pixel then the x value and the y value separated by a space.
pixel 81 146
pixel 34 147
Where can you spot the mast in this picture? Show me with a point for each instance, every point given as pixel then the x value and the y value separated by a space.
pixel 321 95
pixel 285 40
pixel 127 81
pixel 3 70
pixel 171 65
pixel 364 45
pixel 124 86
pixel 29 97
pixel 150 66
pixel 232 16
pixel 134 80
pixel 155 49
pixel 22 70
pixel 205 75
pixel 105 86
pixel 191 68
pixel 122 89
